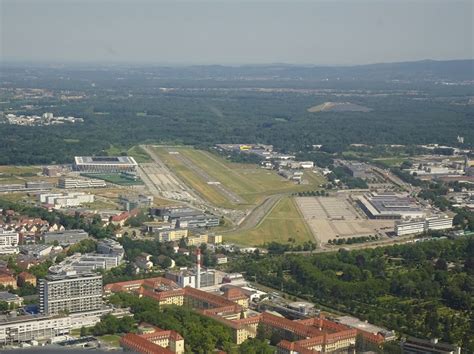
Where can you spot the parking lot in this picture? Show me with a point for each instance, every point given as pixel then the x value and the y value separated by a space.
pixel 334 217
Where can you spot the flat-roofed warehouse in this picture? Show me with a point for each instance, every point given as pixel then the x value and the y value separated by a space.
pixel 389 206
pixel 105 164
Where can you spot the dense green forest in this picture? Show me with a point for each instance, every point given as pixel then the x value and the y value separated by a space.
pixel 204 112
pixel 424 289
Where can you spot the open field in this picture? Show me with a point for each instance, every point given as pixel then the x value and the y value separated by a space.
pixel 338 107
pixel 16 174
pixel 333 217
pixel 282 222
pixel 226 184
pixel 138 154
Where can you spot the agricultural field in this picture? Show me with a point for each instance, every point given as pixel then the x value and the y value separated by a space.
pixel 283 221
pixel 226 184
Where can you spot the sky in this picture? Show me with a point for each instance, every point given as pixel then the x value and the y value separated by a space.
pixel 319 32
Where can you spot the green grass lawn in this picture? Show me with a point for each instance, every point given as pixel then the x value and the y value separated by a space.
pixel 111 339
pixel 281 223
pixel 138 154
pixel 114 178
pixel 248 181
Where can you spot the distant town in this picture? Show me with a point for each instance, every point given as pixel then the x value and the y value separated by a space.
pixel 44 119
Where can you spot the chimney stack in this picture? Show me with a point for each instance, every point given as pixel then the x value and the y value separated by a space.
pixel 198 268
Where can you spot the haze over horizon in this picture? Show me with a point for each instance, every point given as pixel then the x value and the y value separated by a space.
pixel 235 31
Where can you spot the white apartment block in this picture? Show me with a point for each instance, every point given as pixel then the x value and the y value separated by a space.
pixel 8 242
pixel 72 293
pixel 62 200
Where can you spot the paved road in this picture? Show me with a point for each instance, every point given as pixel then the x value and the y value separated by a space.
pixel 257 214
pixel 400 240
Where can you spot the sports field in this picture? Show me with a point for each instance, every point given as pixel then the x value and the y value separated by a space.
pixel 281 223
pixel 227 184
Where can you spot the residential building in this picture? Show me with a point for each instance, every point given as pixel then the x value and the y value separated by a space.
pixel 8 240
pixel 172 235
pixel 73 183
pixel 7 280
pixel 68 237
pixel 72 293
pixel 25 277
pixel 11 299
pixel 86 263
pixel 215 239
pixel 221 258
pixel 110 246
pixel 168 341
pixel 64 200
pixel 131 202
pixel 144 262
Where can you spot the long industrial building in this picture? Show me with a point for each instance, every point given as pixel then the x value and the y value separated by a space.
pixel 389 206
pixel 105 164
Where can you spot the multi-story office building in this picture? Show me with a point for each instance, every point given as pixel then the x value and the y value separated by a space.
pixel 109 246
pixel 409 227
pixel 72 183
pixel 172 235
pixel 86 263
pixel 32 327
pixel 131 202
pixel 439 223
pixel 65 237
pixel 185 217
pixel 422 225
pixel 71 293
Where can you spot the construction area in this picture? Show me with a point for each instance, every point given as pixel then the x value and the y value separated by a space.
pixel 335 217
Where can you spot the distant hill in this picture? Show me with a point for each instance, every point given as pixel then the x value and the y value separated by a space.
pixel 425 70
pixel 338 107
